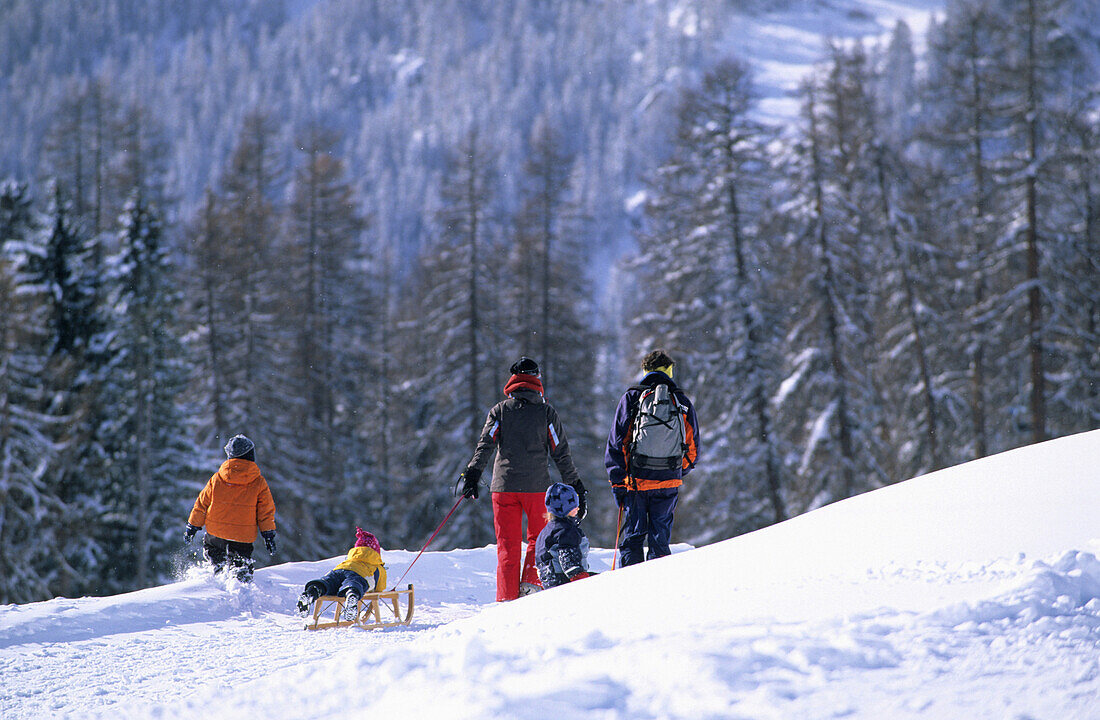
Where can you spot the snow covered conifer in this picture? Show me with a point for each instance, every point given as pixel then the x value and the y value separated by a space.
pixel 29 512
pixel 57 267
pixel 327 291
pixel 706 292
pixel 153 466
pixel 831 406
pixel 457 291
pixel 547 289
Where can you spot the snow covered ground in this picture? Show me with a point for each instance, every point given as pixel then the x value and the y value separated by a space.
pixel 969 593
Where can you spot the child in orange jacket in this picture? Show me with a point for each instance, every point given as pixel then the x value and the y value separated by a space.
pixel 234 504
pixel 361 572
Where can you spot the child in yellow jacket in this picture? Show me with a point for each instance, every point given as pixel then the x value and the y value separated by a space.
pixel 361 572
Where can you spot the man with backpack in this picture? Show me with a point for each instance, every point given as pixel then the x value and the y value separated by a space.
pixel 651 447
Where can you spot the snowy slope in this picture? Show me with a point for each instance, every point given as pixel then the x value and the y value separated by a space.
pixel 784 43
pixel 970 593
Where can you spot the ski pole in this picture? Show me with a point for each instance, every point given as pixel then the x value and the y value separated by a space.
pixel 452 512
pixel 618 527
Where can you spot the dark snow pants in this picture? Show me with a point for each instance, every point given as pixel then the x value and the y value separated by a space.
pixel 647 514
pixel 237 555
pixel 339 582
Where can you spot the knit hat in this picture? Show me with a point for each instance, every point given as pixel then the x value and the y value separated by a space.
pixel 561 499
pixel 524 382
pixel 525 366
pixel 366 539
pixel 239 446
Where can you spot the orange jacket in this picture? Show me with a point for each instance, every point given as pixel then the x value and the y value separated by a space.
pixel 235 503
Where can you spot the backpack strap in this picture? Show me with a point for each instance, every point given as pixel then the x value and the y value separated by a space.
pixel 682 408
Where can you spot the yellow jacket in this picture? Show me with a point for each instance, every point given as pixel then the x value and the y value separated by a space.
pixel 366 561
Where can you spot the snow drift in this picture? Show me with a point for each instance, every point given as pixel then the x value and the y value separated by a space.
pixel 973 592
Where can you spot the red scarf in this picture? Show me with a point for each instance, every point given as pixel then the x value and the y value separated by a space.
pixel 523 382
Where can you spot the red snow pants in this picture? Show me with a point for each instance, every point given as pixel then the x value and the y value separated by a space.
pixel 508 511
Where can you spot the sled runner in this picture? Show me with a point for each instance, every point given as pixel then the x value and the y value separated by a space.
pixel 369 613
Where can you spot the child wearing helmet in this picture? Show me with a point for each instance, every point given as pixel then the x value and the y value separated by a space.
pixel 361 572
pixel 235 503
pixel 561 550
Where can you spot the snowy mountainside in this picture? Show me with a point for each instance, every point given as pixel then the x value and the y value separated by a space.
pixel 785 41
pixel 973 592
pixel 402 81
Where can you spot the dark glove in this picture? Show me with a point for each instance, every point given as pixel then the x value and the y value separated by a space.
pixel 189 533
pixel 269 540
pixel 620 494
pixel 470 478
pixel 582 499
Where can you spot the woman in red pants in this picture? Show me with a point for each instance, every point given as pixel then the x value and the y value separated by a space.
pixel 523 429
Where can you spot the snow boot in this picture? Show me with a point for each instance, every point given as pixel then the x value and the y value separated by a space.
pixel 351 607
pixel 306 601
pixel 244 572
pixel 240 566
pixel 526 588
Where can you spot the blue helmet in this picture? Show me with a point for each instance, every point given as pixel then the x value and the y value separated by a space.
pixel 561 499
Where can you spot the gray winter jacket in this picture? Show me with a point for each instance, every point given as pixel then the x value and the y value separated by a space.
pixel 524 430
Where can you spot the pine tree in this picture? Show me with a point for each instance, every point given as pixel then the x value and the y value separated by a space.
pixel 468 219
pixel 245 307
pixel 207 250
pixel 548 288
pixel 706 296
pixel 139 164
pixel 909 319
pixel 829 393
pixel 152 462
pixel 250 218
pixel 57 266
pixel 78 149
pixel 333 307
pixel 1074 263
pixel 29 512
pixel 436 429
pixel 1027 117
pixel 459 339
pixel 895 88
pixel 914 325
pixel 1049 72
pixel 542 239
pixel 1000 84
pixel 961 127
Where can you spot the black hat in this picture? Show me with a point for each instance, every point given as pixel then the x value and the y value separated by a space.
pixel 525 366
pixel 239 446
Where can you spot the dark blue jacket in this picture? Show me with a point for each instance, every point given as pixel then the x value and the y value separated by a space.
pixel 561 551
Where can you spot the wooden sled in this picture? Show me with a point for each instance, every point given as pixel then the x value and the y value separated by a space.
pixel 368 615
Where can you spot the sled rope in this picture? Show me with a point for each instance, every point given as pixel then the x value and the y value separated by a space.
pixel 452 512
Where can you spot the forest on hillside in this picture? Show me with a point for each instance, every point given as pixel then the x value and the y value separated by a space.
pixel 903 278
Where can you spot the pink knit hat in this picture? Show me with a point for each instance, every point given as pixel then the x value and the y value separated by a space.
pixel 362 537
